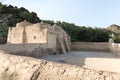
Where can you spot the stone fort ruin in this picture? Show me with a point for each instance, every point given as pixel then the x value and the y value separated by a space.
pixel 41 39
pixel 53 37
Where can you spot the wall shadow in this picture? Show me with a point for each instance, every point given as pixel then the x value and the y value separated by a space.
pixel 37 50
pixel 78 57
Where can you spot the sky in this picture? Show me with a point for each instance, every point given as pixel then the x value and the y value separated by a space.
pixel 94 13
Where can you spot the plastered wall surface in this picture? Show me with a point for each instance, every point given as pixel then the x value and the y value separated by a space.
pixel 40 33
pixel 15 34
pixel 35 35
pixel 115 49
pixel 90 46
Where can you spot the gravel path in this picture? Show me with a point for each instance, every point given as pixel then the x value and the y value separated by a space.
pixel 92 60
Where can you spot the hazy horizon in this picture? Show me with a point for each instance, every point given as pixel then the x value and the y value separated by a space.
pixel 92 13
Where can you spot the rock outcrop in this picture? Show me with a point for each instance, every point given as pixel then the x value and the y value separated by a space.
pixel 25 68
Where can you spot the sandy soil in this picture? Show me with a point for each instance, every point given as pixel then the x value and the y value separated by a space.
pixel 92 60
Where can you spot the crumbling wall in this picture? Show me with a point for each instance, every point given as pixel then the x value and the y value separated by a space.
pixel 16 34
pixel 114 47
pixel 63 42
pixel 25 68
pixel 25 32
pixel 33 50
pixel 35 34
pixel 90 46
pixel 52 41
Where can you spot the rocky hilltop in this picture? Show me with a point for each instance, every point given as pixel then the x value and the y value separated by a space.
pixel 114 28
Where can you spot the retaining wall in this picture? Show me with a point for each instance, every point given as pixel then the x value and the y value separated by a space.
pixel 90 46
pixel 97 46
pixel 33 50
pixel 25 68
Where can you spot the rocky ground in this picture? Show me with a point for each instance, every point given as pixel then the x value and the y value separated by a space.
pixel 92 60
pixel 14 67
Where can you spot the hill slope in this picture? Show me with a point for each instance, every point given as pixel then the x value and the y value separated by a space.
pixel 114 28
pixel 11 15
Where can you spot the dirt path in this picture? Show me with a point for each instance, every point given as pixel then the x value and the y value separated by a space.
pixel 92 60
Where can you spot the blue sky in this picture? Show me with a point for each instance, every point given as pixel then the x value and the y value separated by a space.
pixel 95 13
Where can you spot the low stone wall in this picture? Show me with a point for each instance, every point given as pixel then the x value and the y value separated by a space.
pixel 33 50
pixel 90 46
pixel 25 68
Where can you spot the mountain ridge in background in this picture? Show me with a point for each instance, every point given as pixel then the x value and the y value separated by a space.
pixel 114 28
